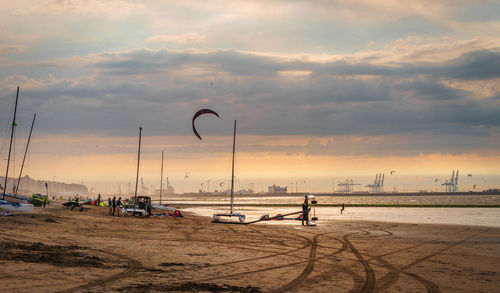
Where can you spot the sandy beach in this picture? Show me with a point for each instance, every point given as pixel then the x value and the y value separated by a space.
pixel 58 250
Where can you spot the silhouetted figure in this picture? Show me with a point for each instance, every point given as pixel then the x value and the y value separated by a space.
pixel 342 209
pixel 113 203
pixel 305 211
pixel 110 205
pixel 118 206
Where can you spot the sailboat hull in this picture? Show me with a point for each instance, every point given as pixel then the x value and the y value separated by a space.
pixel 219 218
pixel 15 207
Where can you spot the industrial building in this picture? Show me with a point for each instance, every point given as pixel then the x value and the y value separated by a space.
pixel 276 189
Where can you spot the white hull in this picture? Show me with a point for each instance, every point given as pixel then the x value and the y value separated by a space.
pixel 15 207
pixel 162 207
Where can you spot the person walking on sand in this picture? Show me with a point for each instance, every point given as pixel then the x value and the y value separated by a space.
pixel 44 202
pixel 110 205
pixel 342 209
pixel 118 206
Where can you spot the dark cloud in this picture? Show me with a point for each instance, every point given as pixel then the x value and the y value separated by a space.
pixel 481 64
pixel 475 65
pixel 161 89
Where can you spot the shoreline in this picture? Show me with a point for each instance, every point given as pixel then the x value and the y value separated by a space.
pixel 335 205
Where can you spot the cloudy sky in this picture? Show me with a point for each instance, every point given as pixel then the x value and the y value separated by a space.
pixel 322 90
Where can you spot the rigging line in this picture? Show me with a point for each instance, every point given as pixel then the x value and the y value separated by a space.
pixel 24 158
pixel 261 220
pixel 5 132
pixel 10 145
pixel 14 158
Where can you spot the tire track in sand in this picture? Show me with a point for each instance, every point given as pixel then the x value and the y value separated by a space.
pixel 307 244
pixel 335 269
pixel 369 284
pixel 307 270
pixel 303 280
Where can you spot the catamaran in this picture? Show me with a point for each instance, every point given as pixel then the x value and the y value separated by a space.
pixel 5 204
pixel 218 218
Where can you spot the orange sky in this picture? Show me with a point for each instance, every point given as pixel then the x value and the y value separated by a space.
pixel 103 163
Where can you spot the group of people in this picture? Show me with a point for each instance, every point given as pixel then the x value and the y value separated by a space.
pixel 114 206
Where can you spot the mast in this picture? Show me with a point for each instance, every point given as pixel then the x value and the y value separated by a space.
pixel 232 172
pixel 25 152
pixel 138 160
pixel 10 146
pixel 161 177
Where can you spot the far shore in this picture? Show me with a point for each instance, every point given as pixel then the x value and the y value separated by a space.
pixel 340 194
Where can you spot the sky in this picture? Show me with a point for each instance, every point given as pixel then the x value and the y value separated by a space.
pixel 322 91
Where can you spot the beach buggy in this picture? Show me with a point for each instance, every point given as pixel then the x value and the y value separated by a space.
pixel 143 206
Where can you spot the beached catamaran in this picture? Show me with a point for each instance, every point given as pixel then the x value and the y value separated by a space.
pixel 218 218
pixel 5 204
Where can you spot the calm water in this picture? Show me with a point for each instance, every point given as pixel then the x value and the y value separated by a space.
pixel 460 216
pixel 463 199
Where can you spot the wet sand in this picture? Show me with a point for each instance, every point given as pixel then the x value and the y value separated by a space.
pixel 69 251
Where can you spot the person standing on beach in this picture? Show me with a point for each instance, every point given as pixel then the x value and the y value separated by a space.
pixel 44 202
pixel 342 209
pixel 114 204
pixel 118 206
pixel 305 211
pixel 110 206
pixel 98 200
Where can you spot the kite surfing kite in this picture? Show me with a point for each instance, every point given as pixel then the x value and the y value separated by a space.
pixel 392 172
pixel 201 112
pixel 436 180
pixel 470 175
pixel 475 185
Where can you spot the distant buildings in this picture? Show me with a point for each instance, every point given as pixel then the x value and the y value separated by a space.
pixel 276 189
pixel 168 190
pixel 29 186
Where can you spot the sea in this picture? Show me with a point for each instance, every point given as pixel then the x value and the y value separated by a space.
pixel 483 216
